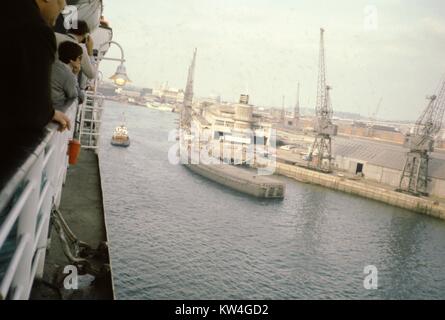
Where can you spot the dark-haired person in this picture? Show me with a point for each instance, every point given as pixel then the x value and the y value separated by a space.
pixel 27 59
pixel 27 54
pixel 80 35
pixel 64 84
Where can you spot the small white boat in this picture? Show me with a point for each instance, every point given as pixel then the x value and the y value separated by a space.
pixel 159 106
pixel 165 108
pixel 120 137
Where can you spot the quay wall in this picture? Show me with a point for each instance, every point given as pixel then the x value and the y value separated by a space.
pixel 420 205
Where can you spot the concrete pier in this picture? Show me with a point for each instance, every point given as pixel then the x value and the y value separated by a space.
pixel 241 180
pixel 363 189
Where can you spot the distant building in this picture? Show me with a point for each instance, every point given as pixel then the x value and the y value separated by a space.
pixel 383 163
pixel 147 91
pixel 375 131
pixel 130 93
pixel 244 99
pixel 169 95
pixel 108 91
pixel 276 115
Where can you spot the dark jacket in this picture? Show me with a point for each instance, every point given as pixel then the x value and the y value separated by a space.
pixel 27 53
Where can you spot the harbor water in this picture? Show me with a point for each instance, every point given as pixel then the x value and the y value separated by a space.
pixel 176 235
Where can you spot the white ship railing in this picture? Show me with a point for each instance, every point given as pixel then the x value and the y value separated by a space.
pixel 91 120
pixel 26 203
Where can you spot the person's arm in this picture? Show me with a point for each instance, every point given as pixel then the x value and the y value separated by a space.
pixel 89 44
pixel 80 91
pixel 87 66
pixel 71 86
pixel 83 81
pixel 81 95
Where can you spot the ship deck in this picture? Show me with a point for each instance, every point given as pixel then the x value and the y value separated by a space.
pixel 82 208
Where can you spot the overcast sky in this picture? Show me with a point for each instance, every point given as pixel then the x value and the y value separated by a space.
pixel 265 47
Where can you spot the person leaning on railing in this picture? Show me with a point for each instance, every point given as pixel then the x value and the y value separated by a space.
pixel 28 51
pixel 64 84
pixel 79 34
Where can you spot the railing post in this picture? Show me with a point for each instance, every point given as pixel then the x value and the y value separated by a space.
pixel 48 165
pixel 51 172
pixel 90 117
pixel 58 159
pixel 27 226
pixel 42 242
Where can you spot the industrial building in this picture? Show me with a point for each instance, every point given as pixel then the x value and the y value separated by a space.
pixel 383 163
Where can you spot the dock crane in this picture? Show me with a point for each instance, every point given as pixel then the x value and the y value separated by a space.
pixel 324 128
pixel 414 179
pixel 373 117
pixel 187 111
pixel 283 110
pixel 297 104
pixel 376 111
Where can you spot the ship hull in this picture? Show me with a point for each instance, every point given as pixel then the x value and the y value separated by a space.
pixel 241 180
pixel 123 144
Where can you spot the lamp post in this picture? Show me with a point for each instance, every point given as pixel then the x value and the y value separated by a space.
pixel 120 78
pixel 90 113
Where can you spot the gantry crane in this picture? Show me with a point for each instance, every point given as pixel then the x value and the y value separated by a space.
pixel 185 120
pixel 373 117
pixel 414 179
pixel 376 111
pixel 321 148
pixel 297 105
pixel 283 111
pixel 186 112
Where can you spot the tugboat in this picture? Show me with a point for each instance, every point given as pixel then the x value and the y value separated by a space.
pixel 120 137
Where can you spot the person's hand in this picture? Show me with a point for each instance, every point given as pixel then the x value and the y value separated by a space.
pixel 76 66
pixel 76 69
pixel 90 45
pixel 62 120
